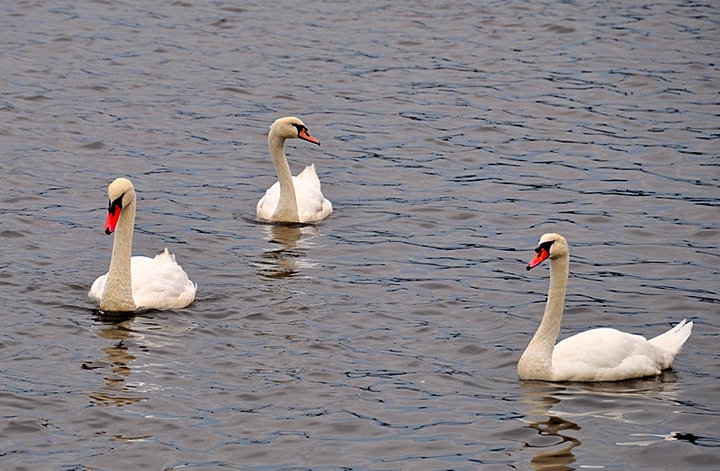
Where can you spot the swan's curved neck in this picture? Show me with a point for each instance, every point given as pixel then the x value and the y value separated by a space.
pixel 117 295
pixel 286 209
pixel 539 352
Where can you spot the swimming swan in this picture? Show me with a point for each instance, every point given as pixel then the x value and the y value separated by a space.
pixel 595 355
pixel 137 282
pixel 292 199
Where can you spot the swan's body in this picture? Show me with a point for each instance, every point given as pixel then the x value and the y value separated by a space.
pixel 292 199
pixel 594 355
pixel 133 283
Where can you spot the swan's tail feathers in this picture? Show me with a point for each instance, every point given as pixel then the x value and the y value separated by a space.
pixel 309 174
pixel 166 254
pixel 671 341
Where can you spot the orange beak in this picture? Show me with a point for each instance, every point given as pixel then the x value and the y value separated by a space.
pixel 540 256
pixel 112 219
pixel 304 134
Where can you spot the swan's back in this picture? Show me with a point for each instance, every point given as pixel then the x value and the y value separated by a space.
pixel 160 283
pixel 610 355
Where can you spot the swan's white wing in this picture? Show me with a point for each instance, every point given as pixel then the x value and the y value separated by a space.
pixel 312 205
pixel 605 355
pixel 267 204
pixel 160 283
pixel 97 288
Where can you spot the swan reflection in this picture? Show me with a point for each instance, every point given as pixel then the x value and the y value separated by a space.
pixel 554 445
pixel 583 404
pixel 286 256
pixel 115 366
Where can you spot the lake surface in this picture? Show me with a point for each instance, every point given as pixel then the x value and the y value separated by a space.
pixel 454 134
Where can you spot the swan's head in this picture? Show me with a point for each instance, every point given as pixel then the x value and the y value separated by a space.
pixel 551 246
pixel 121 194
pixel 291 128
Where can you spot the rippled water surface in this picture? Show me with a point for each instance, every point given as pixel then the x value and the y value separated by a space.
pixel 453 135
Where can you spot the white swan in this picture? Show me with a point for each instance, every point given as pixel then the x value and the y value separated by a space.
pixel 594 355
pixel 137 282
pixel 292 199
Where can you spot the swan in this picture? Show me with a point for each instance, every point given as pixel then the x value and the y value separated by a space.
pixel 595 355
pixel 138 282
pixel 292 199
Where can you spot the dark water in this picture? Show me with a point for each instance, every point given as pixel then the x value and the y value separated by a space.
pixel 453 135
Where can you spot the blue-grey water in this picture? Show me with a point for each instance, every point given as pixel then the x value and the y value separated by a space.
pixel 453 135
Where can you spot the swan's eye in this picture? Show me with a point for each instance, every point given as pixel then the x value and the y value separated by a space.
pixel 544 246
pixel 299 127
pixel 115 204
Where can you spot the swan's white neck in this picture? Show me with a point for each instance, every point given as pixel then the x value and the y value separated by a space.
pixel 537 358
pixel 117 295
pixel 286 209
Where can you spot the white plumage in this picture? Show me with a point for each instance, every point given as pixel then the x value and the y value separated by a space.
pixel 157 283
